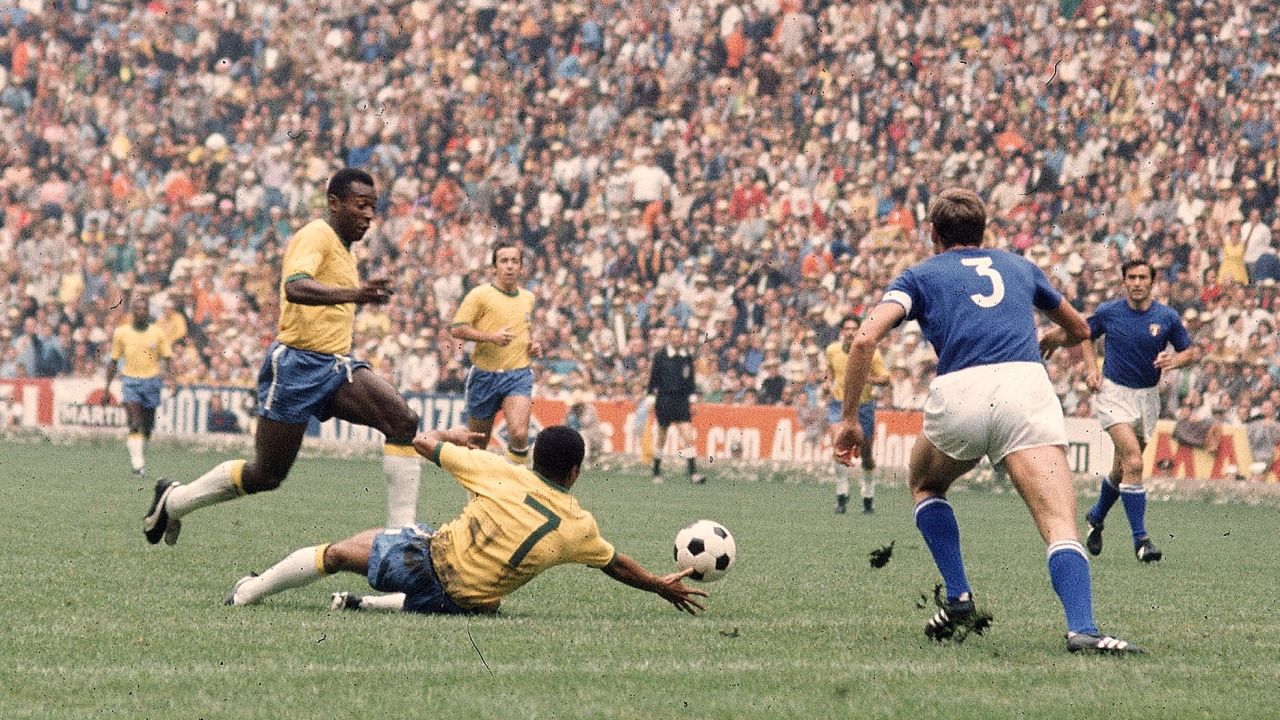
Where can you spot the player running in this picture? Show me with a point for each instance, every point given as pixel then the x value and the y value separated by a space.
pixel 1136 332
pixel 308 372
pixel 991 397
pixel 498 317
pixel 145 352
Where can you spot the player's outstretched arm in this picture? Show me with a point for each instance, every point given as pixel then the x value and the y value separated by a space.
pixel 309 291
pixel 626 570
pixel 427 444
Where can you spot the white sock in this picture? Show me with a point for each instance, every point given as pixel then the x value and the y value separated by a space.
pixel 868 484
pixel 218 485
pixel 135 443
pixel 842 479
pixel 391 602
pixel 403 474
pixel 299 568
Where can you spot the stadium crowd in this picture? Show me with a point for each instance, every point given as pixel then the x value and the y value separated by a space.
pixel 752 170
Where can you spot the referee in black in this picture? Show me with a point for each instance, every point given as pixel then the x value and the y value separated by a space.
pixel 672 385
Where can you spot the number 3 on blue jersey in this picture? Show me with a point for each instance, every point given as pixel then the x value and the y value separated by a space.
pixel 982 266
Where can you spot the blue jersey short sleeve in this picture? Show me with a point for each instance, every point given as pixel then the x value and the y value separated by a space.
pixel 976 306
pixel 1133 339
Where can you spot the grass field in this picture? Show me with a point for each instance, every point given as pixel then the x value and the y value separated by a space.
pixel 94 623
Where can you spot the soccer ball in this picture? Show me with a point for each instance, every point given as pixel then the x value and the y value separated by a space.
pixel 707 547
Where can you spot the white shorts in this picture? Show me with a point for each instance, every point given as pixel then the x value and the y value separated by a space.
pixel 1115 404
pixel 993 410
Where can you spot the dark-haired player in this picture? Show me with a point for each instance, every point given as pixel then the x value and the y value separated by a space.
pixel 308 372
pixel 1137 333
pixel 518 524
pixel 498 318
pixel 991 397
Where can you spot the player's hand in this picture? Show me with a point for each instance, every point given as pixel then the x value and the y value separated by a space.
pixel 846 442
pixel 680 595
pixel 462 436
pixel 503 337
pixel 1165 360
pixel 375 291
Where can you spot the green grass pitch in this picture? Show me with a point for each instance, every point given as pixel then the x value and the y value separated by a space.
pixel 94 623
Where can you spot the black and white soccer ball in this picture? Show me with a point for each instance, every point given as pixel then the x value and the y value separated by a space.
pixel 707 547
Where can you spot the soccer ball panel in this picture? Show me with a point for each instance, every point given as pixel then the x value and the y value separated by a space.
pixel 707 547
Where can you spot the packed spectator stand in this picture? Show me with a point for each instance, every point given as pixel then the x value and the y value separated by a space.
pixel 751 170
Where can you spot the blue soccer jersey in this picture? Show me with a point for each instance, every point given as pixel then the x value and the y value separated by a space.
pixel 1133 339
pixel 975 305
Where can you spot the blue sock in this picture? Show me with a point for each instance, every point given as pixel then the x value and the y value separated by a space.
pixel 1134 498
pixel 1108 493
pixel 937 523
pixel 1069 573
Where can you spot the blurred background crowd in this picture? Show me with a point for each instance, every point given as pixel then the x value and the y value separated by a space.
pixel 753 170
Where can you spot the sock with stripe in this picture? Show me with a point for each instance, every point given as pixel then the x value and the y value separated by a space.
pixel 1134 498
pixel 299 568
pixel 937 523
pixel 135 444
pixel 403 468
pixel 218 485
pixel 1069 573
pixel 1108 493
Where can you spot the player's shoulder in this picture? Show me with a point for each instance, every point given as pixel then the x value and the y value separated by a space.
pixel 318 230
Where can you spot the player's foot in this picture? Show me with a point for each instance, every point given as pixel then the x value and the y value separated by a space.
pixel 1093 541
pixel 139 472
pixel 231 596
pixel 1100 644
pixel 344 601
pixel 1146 551
pixel 171 532
pixel 698 479
pixel 156 523
pixel 657 479
pixel 841 508
pixel 955 619
pixel 868 506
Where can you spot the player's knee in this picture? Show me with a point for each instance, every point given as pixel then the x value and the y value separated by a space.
pixel 1131 469
pixel 403 425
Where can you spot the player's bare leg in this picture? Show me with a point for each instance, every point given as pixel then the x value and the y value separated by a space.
pixel 370 400
pixel 868 483
pixel 484 426
pixel 305 566
pixel 931 474
pixel 1127 477
pixel 1043 478
pixel 516 409
pixel 276 446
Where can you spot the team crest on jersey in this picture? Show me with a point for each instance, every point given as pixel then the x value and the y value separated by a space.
pixel 1155 329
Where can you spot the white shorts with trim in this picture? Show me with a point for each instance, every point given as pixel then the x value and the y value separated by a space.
pixel 993 410
pixel 1139 407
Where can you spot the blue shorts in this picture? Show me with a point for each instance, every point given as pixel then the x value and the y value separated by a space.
pixel 866 416
pixel 486 390
pixel 143 391
pixel 295 385
pixel 401 562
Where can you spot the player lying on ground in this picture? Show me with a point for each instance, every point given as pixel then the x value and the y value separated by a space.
pixel 518 524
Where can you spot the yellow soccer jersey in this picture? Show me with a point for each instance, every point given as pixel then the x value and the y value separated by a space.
pixel 516 526
pixel 838 360
pixel 489 309
pixel 316 252
pixel 141 350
